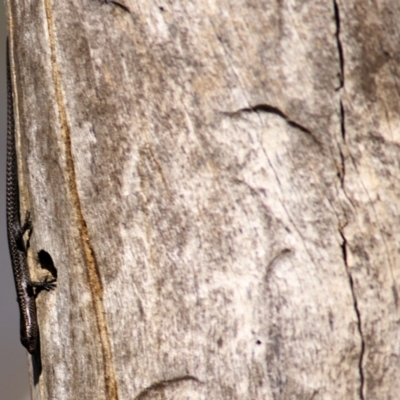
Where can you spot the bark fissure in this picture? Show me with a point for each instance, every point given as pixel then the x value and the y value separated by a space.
pixel 358 314
pixel 158 387
pixel 342 177
pixel 342 121
pixel 116 3
pixel 339 44
pixel 266 108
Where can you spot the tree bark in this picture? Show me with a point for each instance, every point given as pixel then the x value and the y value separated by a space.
pixel 217 186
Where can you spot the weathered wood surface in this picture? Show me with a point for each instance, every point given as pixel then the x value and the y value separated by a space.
pixel 218 186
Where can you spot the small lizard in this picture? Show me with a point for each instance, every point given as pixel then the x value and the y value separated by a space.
pixel 26 289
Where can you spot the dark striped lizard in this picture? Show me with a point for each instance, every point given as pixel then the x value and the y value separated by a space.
pixel 27 290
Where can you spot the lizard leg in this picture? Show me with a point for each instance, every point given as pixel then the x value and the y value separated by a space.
pixel 44 285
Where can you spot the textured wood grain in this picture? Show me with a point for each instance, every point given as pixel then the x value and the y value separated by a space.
pixel 217 184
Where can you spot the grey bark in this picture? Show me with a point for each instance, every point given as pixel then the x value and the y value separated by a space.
pixel 217 184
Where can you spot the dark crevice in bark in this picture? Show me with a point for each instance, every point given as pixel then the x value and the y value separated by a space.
pixel 357 311
pixel 342 121
pixel 116 3
pixel 339 44
pixel 274 110
pixel 342 177
pixel 157 388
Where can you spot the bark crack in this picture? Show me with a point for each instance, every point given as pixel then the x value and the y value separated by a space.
pixel 339 44
pixel 274 110
pixel 159 387
pixel 342 121
pixel 358 314
pixel 342 182
pixel 116 3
